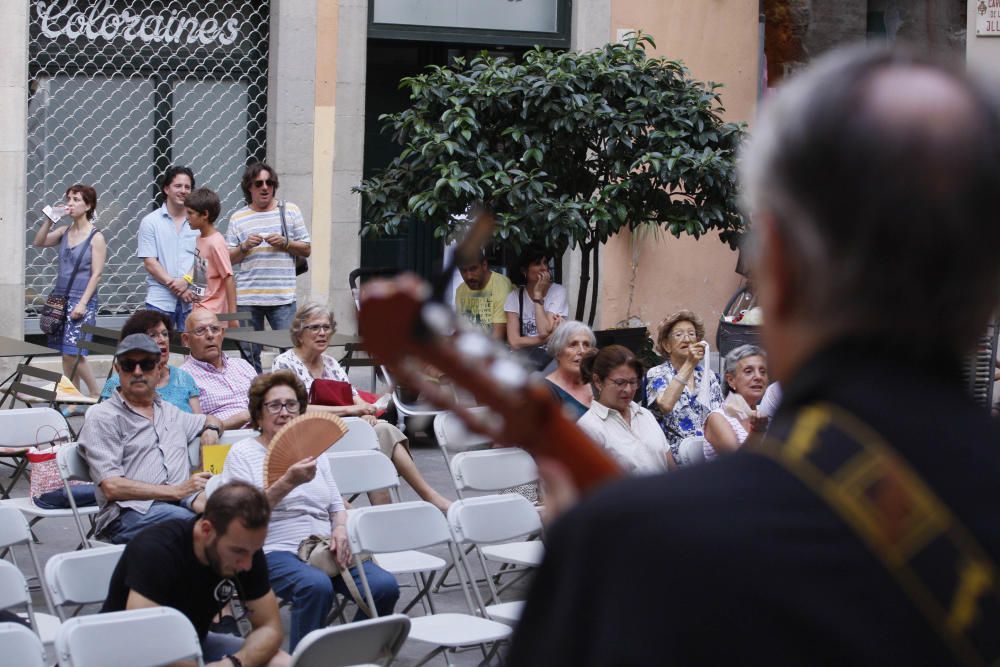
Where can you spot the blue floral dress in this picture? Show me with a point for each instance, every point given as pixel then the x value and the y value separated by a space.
pixel 688 416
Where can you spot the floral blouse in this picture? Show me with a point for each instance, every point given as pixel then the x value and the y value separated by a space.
pixel 332 370
pixel 688 416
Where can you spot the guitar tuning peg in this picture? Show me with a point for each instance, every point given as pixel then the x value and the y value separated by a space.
pixel 474 346
pixel 509 373
pixel 438 318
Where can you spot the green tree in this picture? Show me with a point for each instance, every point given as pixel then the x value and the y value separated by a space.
pixel 566 148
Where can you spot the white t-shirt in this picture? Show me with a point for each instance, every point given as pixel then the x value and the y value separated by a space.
pixel 639 448
pixel 303 512
pixel 554 302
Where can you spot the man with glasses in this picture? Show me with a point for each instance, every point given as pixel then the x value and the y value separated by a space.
pixel 136 446
pixel 223 382
pixel 264 239
pixel 166 246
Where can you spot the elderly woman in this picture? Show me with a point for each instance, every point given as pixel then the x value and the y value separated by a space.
pixel 304 501
pixel 738 421
pixel 174 385
pixel 568 345
pixel 311 329
pixel 682 391
pixel 628 431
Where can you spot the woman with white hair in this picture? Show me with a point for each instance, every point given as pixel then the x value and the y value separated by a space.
pixel 568 345
pixel 738 421
pixel 311 329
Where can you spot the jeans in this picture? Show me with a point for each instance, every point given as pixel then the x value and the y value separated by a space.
pixel 130 522
pixel 177 315
pixel 215 646
pixel 279 317
pixel 83 495
pixel 311 590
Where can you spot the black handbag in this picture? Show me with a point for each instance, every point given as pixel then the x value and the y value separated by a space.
pixel 301 263
pixel 52 319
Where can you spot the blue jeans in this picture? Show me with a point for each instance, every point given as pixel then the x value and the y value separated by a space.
pixel 130 522
pixel 311 590
pixel 215 646
pixel 177 315
pixel 279 317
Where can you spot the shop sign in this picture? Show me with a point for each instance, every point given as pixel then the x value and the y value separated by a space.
pixel 988 18
pixel 536 16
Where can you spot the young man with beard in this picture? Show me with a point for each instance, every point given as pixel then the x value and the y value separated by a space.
pixel 481 296
pixel 197 565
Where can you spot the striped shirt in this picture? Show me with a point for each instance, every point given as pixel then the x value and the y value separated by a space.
pixel 225 391
pixel 266 276
pixel 303 512
pixel 117 441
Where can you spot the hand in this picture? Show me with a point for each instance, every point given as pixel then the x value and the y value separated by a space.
pixel 300 473
pixel 178 286
pixel 556 321
pixel 79 310
pixel 363 410
pixel 558 489
pixel 277 240
pixel 340 548
pixel 187 296
pixel 758 422
pixel 696 352
pixel 371 419
pixel 192 485
pixel 209 437
pixel 252 241
pixel 542 286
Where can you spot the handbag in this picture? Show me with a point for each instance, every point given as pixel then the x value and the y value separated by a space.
pixel 336 392
pixel 52 319
pixel 301 263
pixel 537 357
pixel 315 550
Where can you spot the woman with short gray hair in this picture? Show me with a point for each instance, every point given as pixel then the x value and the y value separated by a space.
pixel 737 421
pixel 568 345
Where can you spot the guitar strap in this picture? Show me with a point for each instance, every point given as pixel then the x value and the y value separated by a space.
pixel 933 558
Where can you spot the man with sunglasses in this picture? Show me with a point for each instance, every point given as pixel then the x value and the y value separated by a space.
pixel 264 238
pixel 136 446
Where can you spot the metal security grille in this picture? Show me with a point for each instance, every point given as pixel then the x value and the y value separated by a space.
pixel 119 91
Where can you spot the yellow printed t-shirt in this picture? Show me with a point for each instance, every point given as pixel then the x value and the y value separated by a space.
pixel 484 307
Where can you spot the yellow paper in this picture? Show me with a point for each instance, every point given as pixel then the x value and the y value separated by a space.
pixel 213 457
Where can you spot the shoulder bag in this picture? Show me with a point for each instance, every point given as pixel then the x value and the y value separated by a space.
pixel 301 263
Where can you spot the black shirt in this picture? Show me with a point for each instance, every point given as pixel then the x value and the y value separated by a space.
pixel 160 564
pixel 738 563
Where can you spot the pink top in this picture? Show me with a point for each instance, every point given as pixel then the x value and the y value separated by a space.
pixel 212 249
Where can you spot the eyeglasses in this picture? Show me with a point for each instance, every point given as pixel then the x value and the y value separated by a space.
pixel 214 329
pixel 681 335
pixel 260 182
pixel 621 384
pixel 155 335
pixel 128 365
pixel 316 328
pixel 275 407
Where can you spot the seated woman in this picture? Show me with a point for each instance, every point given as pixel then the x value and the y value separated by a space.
pixel 628 431
pixel 311 329
pixel 304 501
pixel 738 421
pixel 536 308
pixel 682 391
pixel 568 345
pixel 174 385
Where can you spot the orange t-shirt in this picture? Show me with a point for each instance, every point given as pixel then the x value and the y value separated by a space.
pixel 213 252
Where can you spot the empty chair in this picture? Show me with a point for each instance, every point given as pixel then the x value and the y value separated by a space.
pixel 418 525
pixel 492 470
pixel 14 594
pixel 135 638
pixel 360 436
pixel 22 429
pixel 14 531
pixel 81 577
pixel 375 641
pixel 21 646
pixel 491 523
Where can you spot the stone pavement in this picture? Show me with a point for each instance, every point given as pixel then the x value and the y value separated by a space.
pixel 59 535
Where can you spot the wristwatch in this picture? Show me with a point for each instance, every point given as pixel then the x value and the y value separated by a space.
pixel 212 427
pixel 233 659
pixel 541 301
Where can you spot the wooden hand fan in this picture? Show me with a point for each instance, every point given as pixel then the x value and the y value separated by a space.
pixel 307 435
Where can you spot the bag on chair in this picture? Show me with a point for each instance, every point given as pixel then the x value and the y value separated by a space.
pixel 315 550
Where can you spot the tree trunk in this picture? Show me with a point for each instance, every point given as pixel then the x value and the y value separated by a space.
pixel 593 287
pixel 581 295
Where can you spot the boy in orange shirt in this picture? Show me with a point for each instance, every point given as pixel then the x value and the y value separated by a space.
pixel 212 274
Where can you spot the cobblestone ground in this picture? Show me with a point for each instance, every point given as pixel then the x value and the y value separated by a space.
pixel 59 535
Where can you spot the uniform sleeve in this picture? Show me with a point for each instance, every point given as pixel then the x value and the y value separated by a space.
pixel 100 445
pixel 296 224
pixel 557 304
pixel 146 239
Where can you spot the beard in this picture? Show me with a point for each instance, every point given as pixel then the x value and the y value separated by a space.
pixel 214 561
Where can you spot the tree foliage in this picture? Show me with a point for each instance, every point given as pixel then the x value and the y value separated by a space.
pixel 566 148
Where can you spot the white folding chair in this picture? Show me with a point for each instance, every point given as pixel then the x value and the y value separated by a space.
pixel 81 577
pixel 360 436
pixel 418 525
pixel 73 468
pixel 453 437
pixel 136 638
pixel 23 428
pixel 362 471
pixel 692 450
pixel 234 436
pixel 375 641
pixel 406 409
pixel 21 646
pixel 14 593
pixel 14 531
pixel 492 470
pixel 493 523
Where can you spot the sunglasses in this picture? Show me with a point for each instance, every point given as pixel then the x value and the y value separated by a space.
pixel 128 365
pixel 271 183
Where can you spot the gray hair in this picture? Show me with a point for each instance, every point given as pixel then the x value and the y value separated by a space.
pixel 885 207
pixel 560 338
pixel 306 312
pixel 738 354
